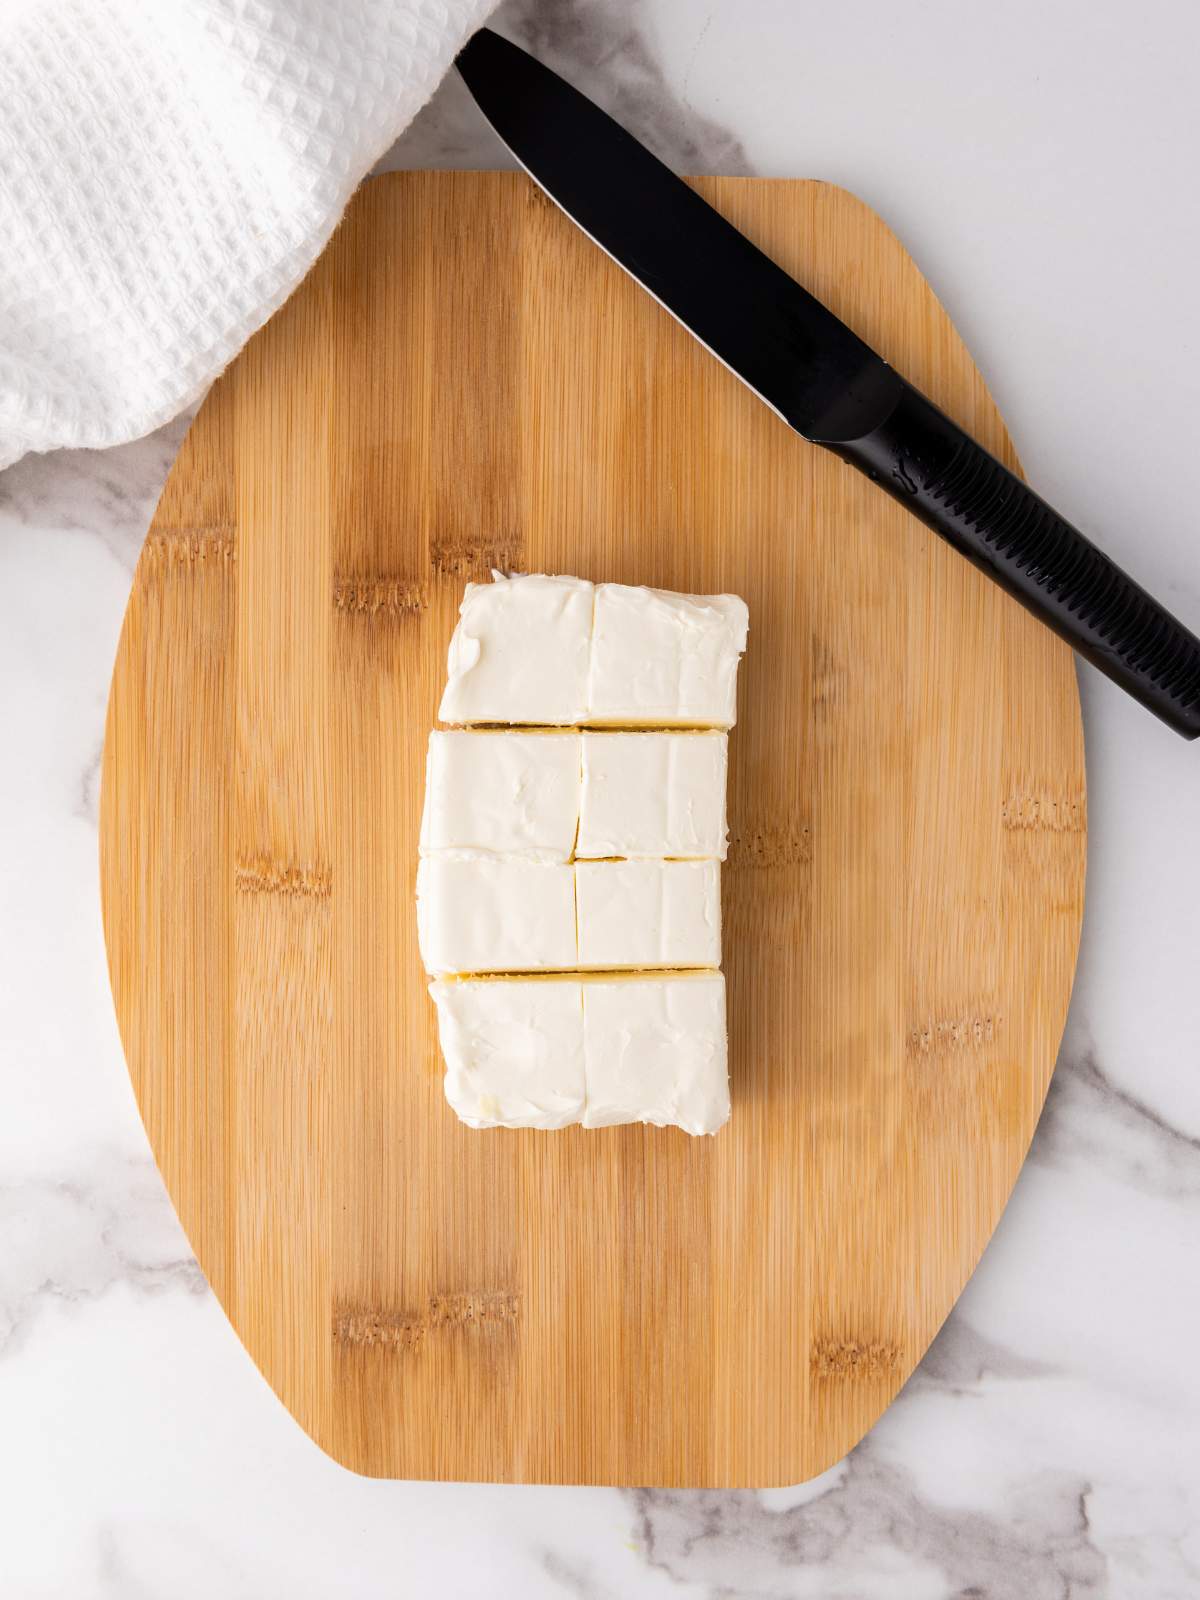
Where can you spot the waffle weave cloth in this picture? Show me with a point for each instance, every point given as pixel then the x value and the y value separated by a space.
pixel 169 170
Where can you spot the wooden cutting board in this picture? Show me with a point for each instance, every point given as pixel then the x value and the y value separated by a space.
pixel 464 382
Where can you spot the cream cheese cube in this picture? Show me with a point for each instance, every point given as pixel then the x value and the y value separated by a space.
pixel 660 659
pixel 520 652
pixel 502 794
pixel 655 1051
pixel 648 914
pixel 513 1050
pixel 653 794
pixel 480 914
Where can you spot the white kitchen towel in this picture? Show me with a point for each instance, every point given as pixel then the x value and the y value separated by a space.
pixel 169 171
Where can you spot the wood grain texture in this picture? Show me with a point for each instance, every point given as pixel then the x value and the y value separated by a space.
pixel 462 382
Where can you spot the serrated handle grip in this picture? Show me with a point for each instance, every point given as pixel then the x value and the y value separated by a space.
pixel 994 519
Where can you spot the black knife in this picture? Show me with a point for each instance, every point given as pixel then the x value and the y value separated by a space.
pixel 824 381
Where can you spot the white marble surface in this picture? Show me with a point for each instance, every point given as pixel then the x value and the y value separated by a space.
pixel 1038 158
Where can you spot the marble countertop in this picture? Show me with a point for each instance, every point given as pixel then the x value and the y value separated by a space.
pixel 1038 160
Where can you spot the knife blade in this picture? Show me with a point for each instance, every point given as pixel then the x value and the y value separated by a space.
pixel 824 381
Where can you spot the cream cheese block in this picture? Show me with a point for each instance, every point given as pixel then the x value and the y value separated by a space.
pixel 521 652
pixel 645 914
pixel 547 1052
pixel 569 879
pixel 502 794
pixel 653 794
pixel 513 1050
pixel 480 914
pixel 655 1051
pixel 659 658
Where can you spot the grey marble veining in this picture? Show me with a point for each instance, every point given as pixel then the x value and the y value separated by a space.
pixel 103 494
pixel 961 1358
pixel 70 1240
pixel 1088 1118
pixel 870 1533
pixel 605 50
pixel 1049 1443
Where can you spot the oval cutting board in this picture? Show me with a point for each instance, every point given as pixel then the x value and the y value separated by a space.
pixel 464 382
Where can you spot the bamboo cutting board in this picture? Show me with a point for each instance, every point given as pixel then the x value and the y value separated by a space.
pixel 464 382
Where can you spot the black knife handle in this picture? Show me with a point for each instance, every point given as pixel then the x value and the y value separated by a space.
pixel 994 519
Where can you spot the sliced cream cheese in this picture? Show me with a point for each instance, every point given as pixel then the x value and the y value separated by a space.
pixel 549 1052
pixel 557 651
pixel 502 794
pixel 568 887
pixel 481 914
pixel 520 652
pixel 660 658
pixel 653 794
pixel 648 914
pixel 655 1051
pixel 513 1050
